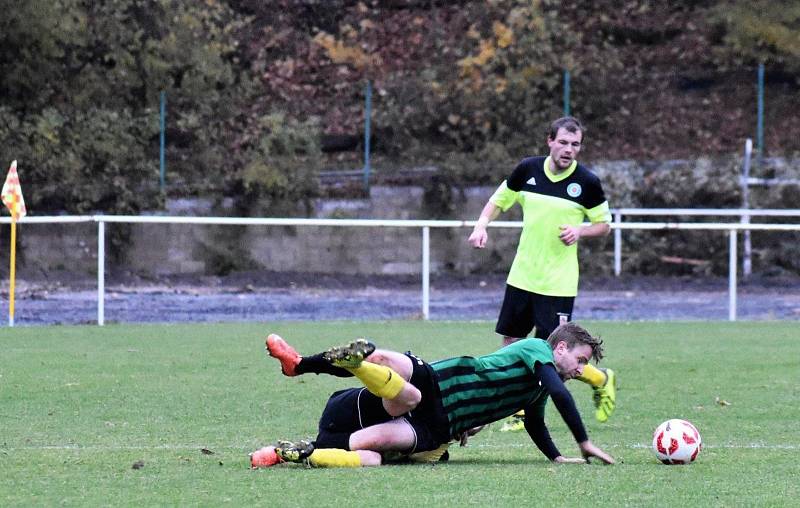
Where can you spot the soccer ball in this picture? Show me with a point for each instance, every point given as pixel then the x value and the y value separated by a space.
pixel 676 442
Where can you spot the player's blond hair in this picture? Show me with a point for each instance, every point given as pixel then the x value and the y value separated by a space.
pixel 573 334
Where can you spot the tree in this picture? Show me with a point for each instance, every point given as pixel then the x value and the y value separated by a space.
pixel 82 80
pixel 763 31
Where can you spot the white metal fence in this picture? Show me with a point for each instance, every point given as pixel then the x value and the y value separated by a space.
pixel 425 226
pixel 744 216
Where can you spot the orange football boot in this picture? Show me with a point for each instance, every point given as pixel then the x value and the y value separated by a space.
pixel 289 358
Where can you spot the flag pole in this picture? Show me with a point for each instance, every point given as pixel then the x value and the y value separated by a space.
pixel 11 195
pixel 12 272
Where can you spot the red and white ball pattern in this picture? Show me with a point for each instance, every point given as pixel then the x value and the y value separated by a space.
pixel 676 442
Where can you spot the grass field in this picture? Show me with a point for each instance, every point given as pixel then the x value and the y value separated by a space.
pixel 80 405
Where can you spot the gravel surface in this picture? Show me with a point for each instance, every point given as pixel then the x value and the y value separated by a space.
pixel 270 297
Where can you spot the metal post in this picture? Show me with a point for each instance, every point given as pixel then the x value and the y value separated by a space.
pixel 426 269
pixel 566 93
pixel 367 119
pixel 162 140
pixel 101 276
pixel 760 125
pixel 732 275
pixel 12 268
pixel 617 245
pixel 747 263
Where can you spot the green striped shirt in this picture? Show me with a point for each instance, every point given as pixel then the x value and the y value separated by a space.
pixel 477 391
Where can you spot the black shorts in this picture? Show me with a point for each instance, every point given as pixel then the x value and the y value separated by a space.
pixel 523 310
pixel 353 409
pixel 428 419
pixel 348 411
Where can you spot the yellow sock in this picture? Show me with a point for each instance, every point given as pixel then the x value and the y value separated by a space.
pixel 379 379
pixel 593 376
pixel 334 457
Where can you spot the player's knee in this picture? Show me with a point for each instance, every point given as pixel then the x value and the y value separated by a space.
pixel 412 396
pixel 398 362
pixel 397 408
pixel 407 400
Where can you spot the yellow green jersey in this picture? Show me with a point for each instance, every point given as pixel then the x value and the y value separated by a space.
pixel 543 264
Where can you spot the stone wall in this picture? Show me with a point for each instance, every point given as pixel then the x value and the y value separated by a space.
pixel 196 249
pixel 199 249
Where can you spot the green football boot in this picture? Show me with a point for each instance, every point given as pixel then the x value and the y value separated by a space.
pixel 605 397
pixel 350 355
pixel 514 423
pixel 298 452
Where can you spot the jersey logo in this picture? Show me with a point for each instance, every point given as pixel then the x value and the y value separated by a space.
pixel 574 190
pixel 532 181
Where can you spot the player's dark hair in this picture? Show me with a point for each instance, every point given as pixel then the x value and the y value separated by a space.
pixel 572 334
pixel 569 123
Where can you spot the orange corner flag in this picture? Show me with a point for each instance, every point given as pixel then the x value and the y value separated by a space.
pixel 12 194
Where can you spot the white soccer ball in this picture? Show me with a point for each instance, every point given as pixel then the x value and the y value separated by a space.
pixel 676 442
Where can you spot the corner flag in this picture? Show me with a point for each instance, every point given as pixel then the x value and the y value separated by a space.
pixel 12 198
pixel 12 194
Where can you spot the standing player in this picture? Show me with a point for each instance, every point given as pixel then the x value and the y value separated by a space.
pixel 555 193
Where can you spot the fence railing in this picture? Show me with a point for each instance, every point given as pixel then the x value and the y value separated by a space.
pixel 744 216
pixel 426 225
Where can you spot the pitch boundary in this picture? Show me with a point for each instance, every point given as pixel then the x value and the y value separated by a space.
pixel 728 446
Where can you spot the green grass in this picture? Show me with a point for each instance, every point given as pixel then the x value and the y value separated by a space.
pixel 80 405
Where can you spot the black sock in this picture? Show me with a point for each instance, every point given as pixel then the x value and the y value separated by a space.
pixel 317 364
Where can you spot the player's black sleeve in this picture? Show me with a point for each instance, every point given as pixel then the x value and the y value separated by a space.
pixel 593 194
pixel 537 430
pixel 519 176
pixel 562 399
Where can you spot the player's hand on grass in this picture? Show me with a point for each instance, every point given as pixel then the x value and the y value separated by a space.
pixel 569 460
pixel 589 450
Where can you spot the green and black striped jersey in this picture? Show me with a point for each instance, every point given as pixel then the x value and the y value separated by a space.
pixel 477 391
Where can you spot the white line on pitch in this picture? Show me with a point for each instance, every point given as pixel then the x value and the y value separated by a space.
pixel 746 446
pixel 754 446
pixel 120 447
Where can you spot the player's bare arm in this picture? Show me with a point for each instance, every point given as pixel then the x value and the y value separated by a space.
pixel 479 236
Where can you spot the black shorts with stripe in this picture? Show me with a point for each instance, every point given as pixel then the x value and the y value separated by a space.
pixel 522 311
pixel 428 419
pixel 353 409
pixel 348 411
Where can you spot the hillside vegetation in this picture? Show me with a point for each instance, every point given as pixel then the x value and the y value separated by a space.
pixel 261 94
